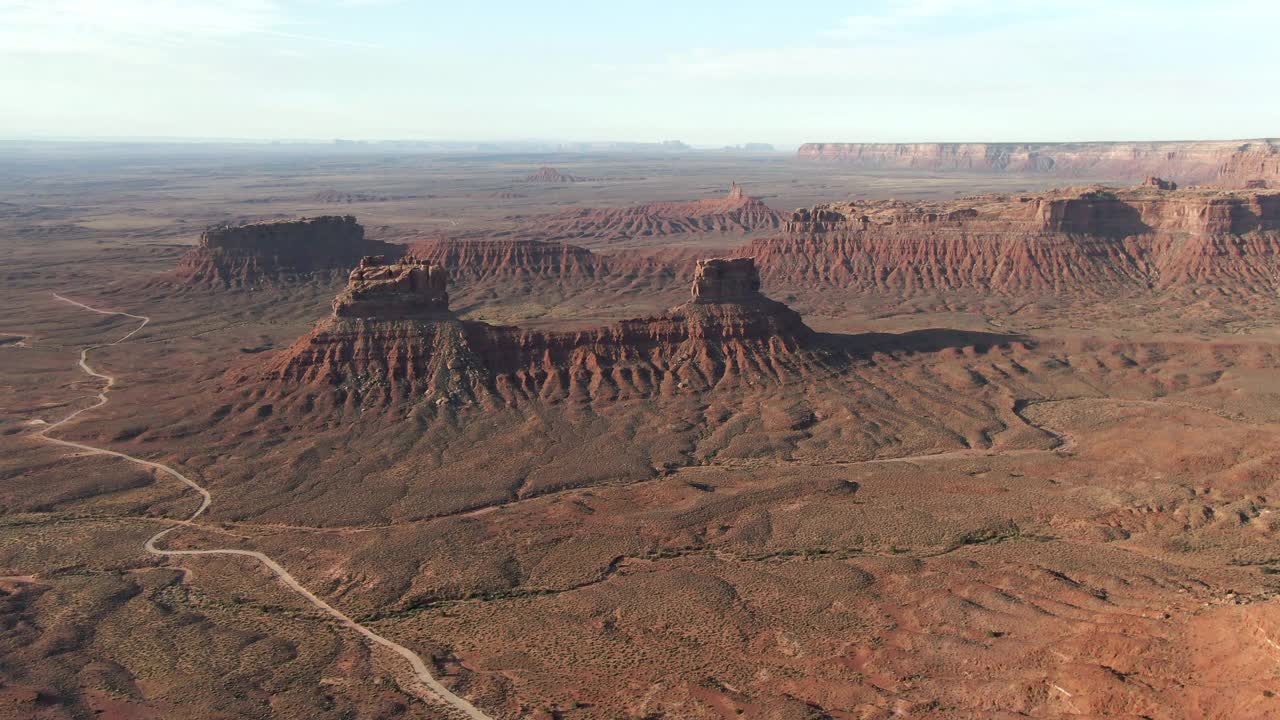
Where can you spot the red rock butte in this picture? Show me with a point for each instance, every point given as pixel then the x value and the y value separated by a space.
pixel 391 337
pixel 401 290
pixel 733 280
pixel 269 252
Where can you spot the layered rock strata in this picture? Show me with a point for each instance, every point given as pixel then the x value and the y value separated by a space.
pixel 391 336
pixel 1084 241
pixel 736 213
pixel 269 252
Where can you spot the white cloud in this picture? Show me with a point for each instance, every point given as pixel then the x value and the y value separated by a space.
pixel 96 26
pixel 904 15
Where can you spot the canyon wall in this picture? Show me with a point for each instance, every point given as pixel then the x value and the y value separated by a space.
pixel 1229 163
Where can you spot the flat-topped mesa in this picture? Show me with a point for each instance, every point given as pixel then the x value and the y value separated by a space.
pixel 294 237
pixel 726 280
pixel 1227 163
pixel 1091 240
pixel 266 252
pixel 1094 210
pixel 401 290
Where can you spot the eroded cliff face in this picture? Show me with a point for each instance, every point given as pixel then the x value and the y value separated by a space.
pixel 1083 241
pixel 1254 165
pixel 392 338
pixel 394 291
pixel 1230 163
pixel 470 260
pixel 250 255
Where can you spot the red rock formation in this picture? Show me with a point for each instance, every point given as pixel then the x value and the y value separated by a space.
pixel 1159 183
pixel 251 255
pixel 398 291
pixel 1210 161
pixel 554 176
pixel 735 213
pixel 391 337
pixel 735 280
pixel 1088 241
pixel 483 259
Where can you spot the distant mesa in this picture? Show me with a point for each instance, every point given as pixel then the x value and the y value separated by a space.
pixel 1090 241
pixel 245 256
pixel 1231 164
pixel 551 175
pixel 343 197
pixel 734 213
pixel 392 338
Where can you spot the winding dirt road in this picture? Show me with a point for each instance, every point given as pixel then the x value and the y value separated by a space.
pixel 420 671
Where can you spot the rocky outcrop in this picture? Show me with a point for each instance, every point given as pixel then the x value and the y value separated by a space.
pixel 719 281
pixel 1221 162
pixel 398 291
pixel 392 338
pixel 243 256
pixel 1085 241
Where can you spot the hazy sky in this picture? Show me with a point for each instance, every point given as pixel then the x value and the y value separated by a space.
pixel 701 71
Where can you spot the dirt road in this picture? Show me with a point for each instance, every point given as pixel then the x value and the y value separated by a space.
pixel 420 671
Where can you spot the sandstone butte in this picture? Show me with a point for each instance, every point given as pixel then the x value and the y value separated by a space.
pixel 244 256
pixel 392 337
pixel 1241 163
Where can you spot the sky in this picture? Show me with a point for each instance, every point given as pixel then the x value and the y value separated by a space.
pixel 703 71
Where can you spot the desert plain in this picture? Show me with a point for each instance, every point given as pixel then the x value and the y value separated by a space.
pixel 958 440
